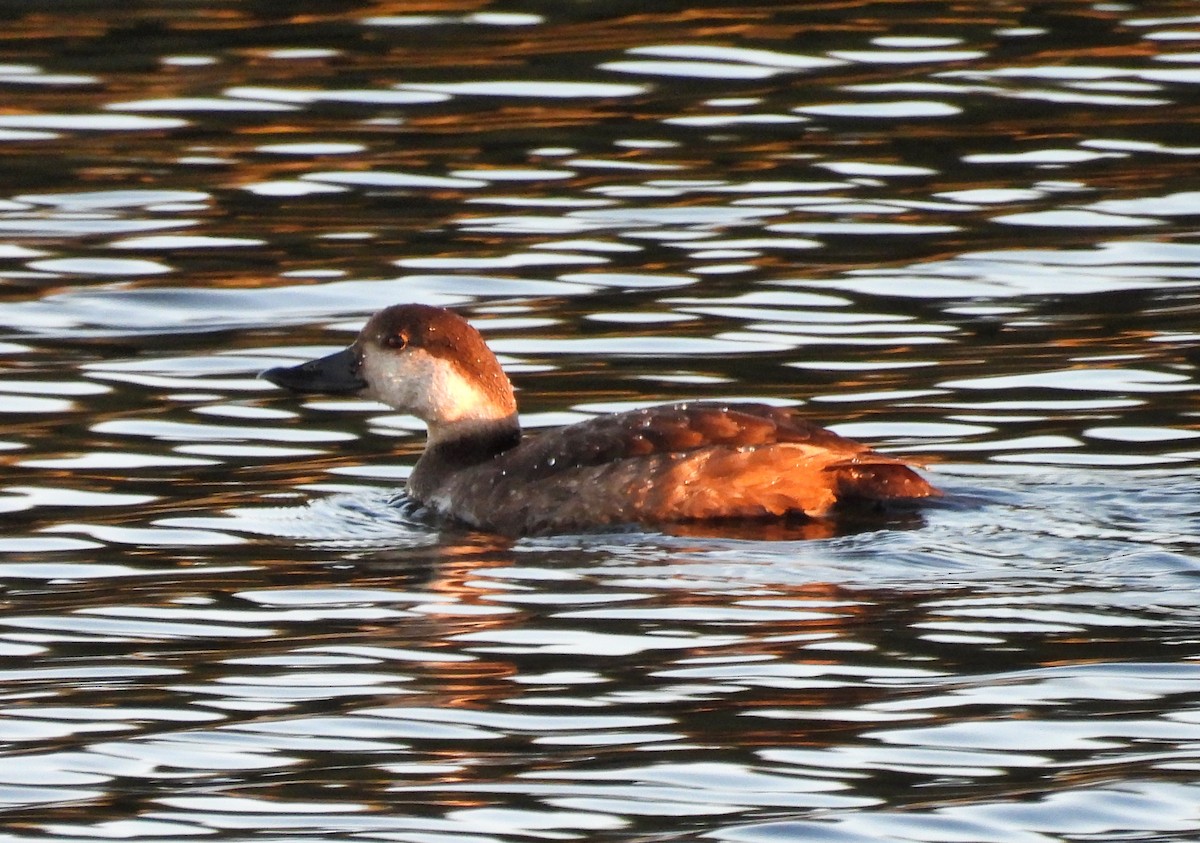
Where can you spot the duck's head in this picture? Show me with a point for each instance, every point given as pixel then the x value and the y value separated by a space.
pixel 421 360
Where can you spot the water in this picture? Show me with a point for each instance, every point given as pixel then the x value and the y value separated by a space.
pixel 967 236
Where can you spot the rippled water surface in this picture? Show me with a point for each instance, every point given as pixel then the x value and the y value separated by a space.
pixel 961 232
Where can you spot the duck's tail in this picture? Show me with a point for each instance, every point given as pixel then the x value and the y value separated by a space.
pixel 878 478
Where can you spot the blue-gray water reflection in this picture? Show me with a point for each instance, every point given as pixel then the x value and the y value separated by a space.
pixel 968 238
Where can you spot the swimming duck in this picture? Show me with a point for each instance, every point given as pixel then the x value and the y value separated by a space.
pixel 673 463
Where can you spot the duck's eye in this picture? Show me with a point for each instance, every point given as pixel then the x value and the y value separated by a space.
pixel 397 341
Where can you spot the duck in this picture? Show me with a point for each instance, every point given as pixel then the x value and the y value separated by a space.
pixel 681 463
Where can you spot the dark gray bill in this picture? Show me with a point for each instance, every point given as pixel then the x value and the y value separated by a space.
pixel 337 373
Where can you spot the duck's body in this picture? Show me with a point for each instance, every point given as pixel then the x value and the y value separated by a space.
pixel 679 462
pixel 671 463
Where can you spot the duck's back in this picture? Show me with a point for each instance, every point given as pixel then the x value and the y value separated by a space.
pixel 673 463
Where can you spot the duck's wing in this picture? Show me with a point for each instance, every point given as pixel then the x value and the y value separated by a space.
pixel 692 461
pixel 674 429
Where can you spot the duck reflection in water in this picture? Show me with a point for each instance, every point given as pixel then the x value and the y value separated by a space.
pixel 695 466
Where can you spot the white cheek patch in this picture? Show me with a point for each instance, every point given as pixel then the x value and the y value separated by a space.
pixel 392 380
pixel 455 397
pixel 430 388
